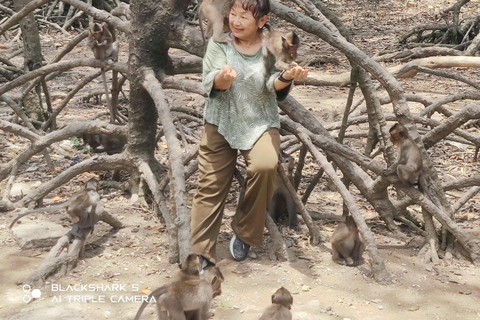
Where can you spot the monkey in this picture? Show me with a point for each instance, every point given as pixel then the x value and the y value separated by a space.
pixel 282 301
pixel 190 268
pixel 282 202
pixel 208 275
pixel 216 12
pixel 101 142
pixel 109 143
pixel 188 292
pixel 282 46
pixel 347 247
pixel 409 159
pixel 102 42
pixel 80 207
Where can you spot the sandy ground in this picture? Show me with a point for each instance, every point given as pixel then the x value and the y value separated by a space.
pixel 121 266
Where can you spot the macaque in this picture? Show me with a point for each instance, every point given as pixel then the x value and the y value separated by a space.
pixel 102 42
pixel 282 46
pixel 216 12
pixel 282 301
pixel 409 159
pixel 347 247
pixel 282 203
pixel 208 275
pixel 187 293
pixel 191 268
pixel 101 142
pixel 80 207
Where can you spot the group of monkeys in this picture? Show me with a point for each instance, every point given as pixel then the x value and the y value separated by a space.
pixel 189 295
pixel 347 245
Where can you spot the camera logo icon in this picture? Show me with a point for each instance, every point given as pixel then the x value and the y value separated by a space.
pixel 30 294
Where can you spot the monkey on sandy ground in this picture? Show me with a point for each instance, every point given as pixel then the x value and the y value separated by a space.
pixel 282 301
pixel 188 293
pixel 347 247
pixel 80 207
pixel 216 12
pixel 282 46
pixel 409 159
pixel 101 142
pixel 282 202
pixel 102 42
pixel 208 275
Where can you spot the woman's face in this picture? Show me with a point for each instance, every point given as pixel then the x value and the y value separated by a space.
pixel 242 23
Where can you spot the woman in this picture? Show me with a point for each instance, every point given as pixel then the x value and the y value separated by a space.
pixel 241 113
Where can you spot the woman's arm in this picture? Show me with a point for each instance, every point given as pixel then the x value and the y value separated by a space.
pixel 285 79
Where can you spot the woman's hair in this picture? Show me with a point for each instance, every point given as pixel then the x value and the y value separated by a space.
pixel 258 8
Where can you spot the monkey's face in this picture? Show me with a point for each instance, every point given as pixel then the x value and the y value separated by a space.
pixel 97 35
pixel 395 136
pixel 243 24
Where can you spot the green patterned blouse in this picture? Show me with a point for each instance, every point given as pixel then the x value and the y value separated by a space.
pixel 249 107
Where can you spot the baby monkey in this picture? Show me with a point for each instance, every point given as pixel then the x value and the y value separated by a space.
pixel 409 159
pixel 80 207
pixel 189 296
pixel 282 202
pixel 282 301
pixel 347 247
pixel 102 42
pixel 216 12
pixel 282 46
pixel 101 142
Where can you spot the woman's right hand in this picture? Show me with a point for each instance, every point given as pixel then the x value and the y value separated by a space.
pixel 224 79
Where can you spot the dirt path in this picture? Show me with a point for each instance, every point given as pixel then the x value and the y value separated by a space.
pixel 121 265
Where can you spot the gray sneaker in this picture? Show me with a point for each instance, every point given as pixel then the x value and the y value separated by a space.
pixel 205 263
pixel 238 248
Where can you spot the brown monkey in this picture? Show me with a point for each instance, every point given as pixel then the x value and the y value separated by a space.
pixel 191 268
pixel 208 275
pixel 80 207
pixel 102 42
pixel 101 142
pixel 216 12
pixel 282 301
pixel 188 293
pixel 282 46
pixel 409 163
pixel 109 143
pixel 347 247
pixel 282 203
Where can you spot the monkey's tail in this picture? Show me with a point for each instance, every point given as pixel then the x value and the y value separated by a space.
pixel 155 293
pixel 22 214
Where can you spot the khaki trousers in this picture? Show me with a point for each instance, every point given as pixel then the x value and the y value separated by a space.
pixel 216 164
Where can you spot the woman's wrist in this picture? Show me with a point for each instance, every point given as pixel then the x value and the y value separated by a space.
pixel 282 79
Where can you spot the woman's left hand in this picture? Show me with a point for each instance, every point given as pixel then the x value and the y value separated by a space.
pixel 296 73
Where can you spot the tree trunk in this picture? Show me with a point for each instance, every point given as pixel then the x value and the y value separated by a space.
pixel 151 25
pixel 32 54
